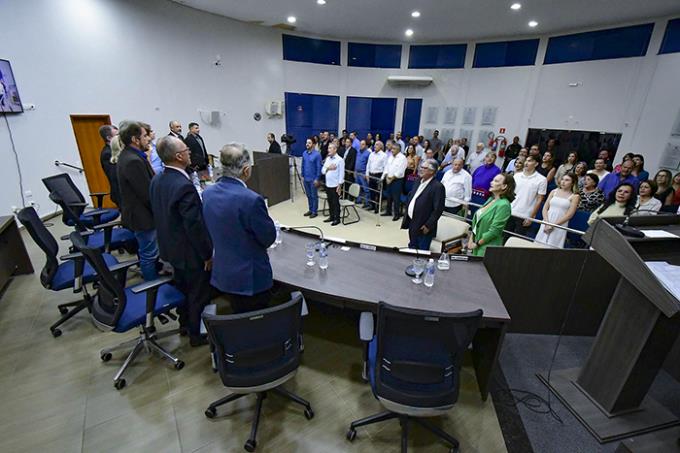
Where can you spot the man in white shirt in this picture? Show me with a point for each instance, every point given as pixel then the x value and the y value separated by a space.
pixel 455 152
pixel 334 169
pixel 458 185
pixel 476 158
pixel 600 169
pixel 393 176
pixel 374 171
pixel 424 207
pixel 530 190
pixel 400 142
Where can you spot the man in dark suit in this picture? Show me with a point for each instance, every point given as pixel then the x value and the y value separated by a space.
pixel 241 231
pixel 350 158
pixel 134 177
pixel 183 238
pixel 424 207
pixel 176 130
pixel 107 132
pixel 199 154
pixel 323 144
pixel 274 146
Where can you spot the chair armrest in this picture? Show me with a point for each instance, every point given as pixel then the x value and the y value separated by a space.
pixel 82 233
pixel 304 311
pixel 123 265
pixel 151 290
pixel 76 204
pixel 104 226
pixel 146 286
pixel 99 198
pixel 366 326
pixel 71 256
pixel 96 194
pixel 95 212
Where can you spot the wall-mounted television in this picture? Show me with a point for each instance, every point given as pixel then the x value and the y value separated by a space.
pixel 10 102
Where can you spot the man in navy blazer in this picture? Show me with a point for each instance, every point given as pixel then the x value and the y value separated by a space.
pixel 424 207
pixel 241 231
pixel 182 236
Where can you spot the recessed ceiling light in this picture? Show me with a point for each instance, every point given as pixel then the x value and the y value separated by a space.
pixel 533 23
pixel 516 6
pixel 415 14
pixel 291 19
pixel 320 2
pixel 408 32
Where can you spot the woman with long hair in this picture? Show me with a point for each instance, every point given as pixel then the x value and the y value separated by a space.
pixel 489 220
pixel 566 167
pixel 580 171
pixel 646 203
pixel 412 161
pixel 639 167
pixel 558 209
pixel 620 202
pixel 547 167
pixel 676 189
pixel 591 197
pixel 664 184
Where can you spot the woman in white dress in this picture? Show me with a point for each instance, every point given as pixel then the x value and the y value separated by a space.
pixel 559 209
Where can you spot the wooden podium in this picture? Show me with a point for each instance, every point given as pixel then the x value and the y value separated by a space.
pixel 270 177
pixel 609 393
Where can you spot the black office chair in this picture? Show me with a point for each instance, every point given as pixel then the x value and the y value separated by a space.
pixel 257 352
pixel 68 195
pixel 119 309
pixel 414 366
pixel 72 272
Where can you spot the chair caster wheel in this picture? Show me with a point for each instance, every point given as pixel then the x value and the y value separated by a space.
pixel 309 413
pixel 105 356
pixel 179 365
pixel 250 445
pixel 119 384
pixel 63 310
pixel 453 450
pixel 351 435
pixel 56 333
pixel 210 412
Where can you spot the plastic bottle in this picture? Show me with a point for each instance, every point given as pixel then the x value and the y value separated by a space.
pixel 444 264
pixel 323 257
pixel 279 239
pixel 429 273
pixel 196 183
pixel 210 172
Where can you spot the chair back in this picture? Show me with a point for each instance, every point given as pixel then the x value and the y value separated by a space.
pixel 354 190
pixel 578 222
pixel 44 239
pixel 108 304
pixel 63 191
pixel 419 354
pixel 259 347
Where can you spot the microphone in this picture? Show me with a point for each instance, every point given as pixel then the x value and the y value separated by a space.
pixel 628 230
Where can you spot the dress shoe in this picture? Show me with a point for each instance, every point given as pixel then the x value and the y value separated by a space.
pixel 307 214
pixel 198 341
pixel 183 331
pixel 328 220
pixel 335 222
pixel 396 217
pixel 386 214
pixel 311 216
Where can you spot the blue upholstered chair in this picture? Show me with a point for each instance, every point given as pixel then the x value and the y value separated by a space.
pixel 118 308
pixel 578 222
pixel 414 365
pixel 69 195
pixel 68 271
pixel 255 353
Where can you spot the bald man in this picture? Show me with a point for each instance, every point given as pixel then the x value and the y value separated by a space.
pixel 176 130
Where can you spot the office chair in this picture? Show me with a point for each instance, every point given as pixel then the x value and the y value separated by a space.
pixel 346 203
pixel 68 195
pixel 72 272
pixel 257 352
pixel 450 235
pixel 119 309
pixel 414 365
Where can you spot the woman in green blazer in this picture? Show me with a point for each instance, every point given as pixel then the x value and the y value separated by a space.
pixel 489 220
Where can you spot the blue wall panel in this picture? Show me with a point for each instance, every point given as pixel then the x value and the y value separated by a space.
pixel 310 114
pixel 622 42
pixel 447 56
pixel 671 38
pixel 375 115
pixel 410 123
pixel 373 55
pixel 506 53
pixel 322 51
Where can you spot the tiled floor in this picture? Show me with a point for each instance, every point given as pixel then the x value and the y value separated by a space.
pixel 58 396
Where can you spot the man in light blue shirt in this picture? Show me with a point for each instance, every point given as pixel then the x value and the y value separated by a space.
pixel 400 142
pixel 355 140
pixel 311 173
pixel 334 169
pixel 360 173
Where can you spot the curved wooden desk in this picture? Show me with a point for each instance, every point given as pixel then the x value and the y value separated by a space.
pixel 359 279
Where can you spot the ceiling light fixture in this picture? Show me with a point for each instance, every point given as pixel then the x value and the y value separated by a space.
pixel 516 6
pixel 291 19
pixel 408 32
pixel 415 14
pixel 320 2
pixel 533 23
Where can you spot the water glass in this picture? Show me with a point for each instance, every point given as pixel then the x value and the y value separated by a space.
pixel 418 268
pixel 311 248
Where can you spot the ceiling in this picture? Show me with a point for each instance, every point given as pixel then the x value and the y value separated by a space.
pixel 440 20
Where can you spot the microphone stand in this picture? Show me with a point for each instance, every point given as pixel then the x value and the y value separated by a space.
pixel 302 227
pixel 628 230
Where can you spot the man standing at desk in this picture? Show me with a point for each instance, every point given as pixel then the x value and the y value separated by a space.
pixel 424 207
pixel 241 231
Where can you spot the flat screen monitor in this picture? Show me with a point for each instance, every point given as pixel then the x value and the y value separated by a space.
pixel 10 102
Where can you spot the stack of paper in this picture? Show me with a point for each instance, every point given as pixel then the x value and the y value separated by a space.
pixel 668 275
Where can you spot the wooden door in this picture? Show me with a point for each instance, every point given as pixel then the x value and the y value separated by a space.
pixel 90 144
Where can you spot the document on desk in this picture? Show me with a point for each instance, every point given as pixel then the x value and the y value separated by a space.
pixel 668 275
pixel 658 234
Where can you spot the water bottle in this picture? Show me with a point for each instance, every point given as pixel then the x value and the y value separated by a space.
pixel 429 273
pixel 210 172
pixel 323 257
pixel 444 264
pixel 279 239
pixel 196 182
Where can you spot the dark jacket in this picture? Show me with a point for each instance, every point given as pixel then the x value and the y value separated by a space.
pixel 199 157
pixel 428 209
pixel 179 136
pixel 183 238
pixel 134 177
pixel 110 172
pixel 275 147
pixel 323 149
pixel 241 230
pixel 350 158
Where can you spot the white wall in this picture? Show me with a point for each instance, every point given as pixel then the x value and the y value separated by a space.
pixel 152 60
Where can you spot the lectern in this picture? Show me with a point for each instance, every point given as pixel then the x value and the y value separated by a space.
pixel 270 177
pixel 608 394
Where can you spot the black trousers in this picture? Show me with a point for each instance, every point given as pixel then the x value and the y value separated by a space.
pixel 333 202
pixel 195 285
pixel 394 190
pixel 373 184
pixel 243 304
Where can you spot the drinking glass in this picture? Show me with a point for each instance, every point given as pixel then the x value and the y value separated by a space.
pixel 418 268
pixel 311 248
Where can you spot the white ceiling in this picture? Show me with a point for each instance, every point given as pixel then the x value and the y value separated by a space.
pixel 440 20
